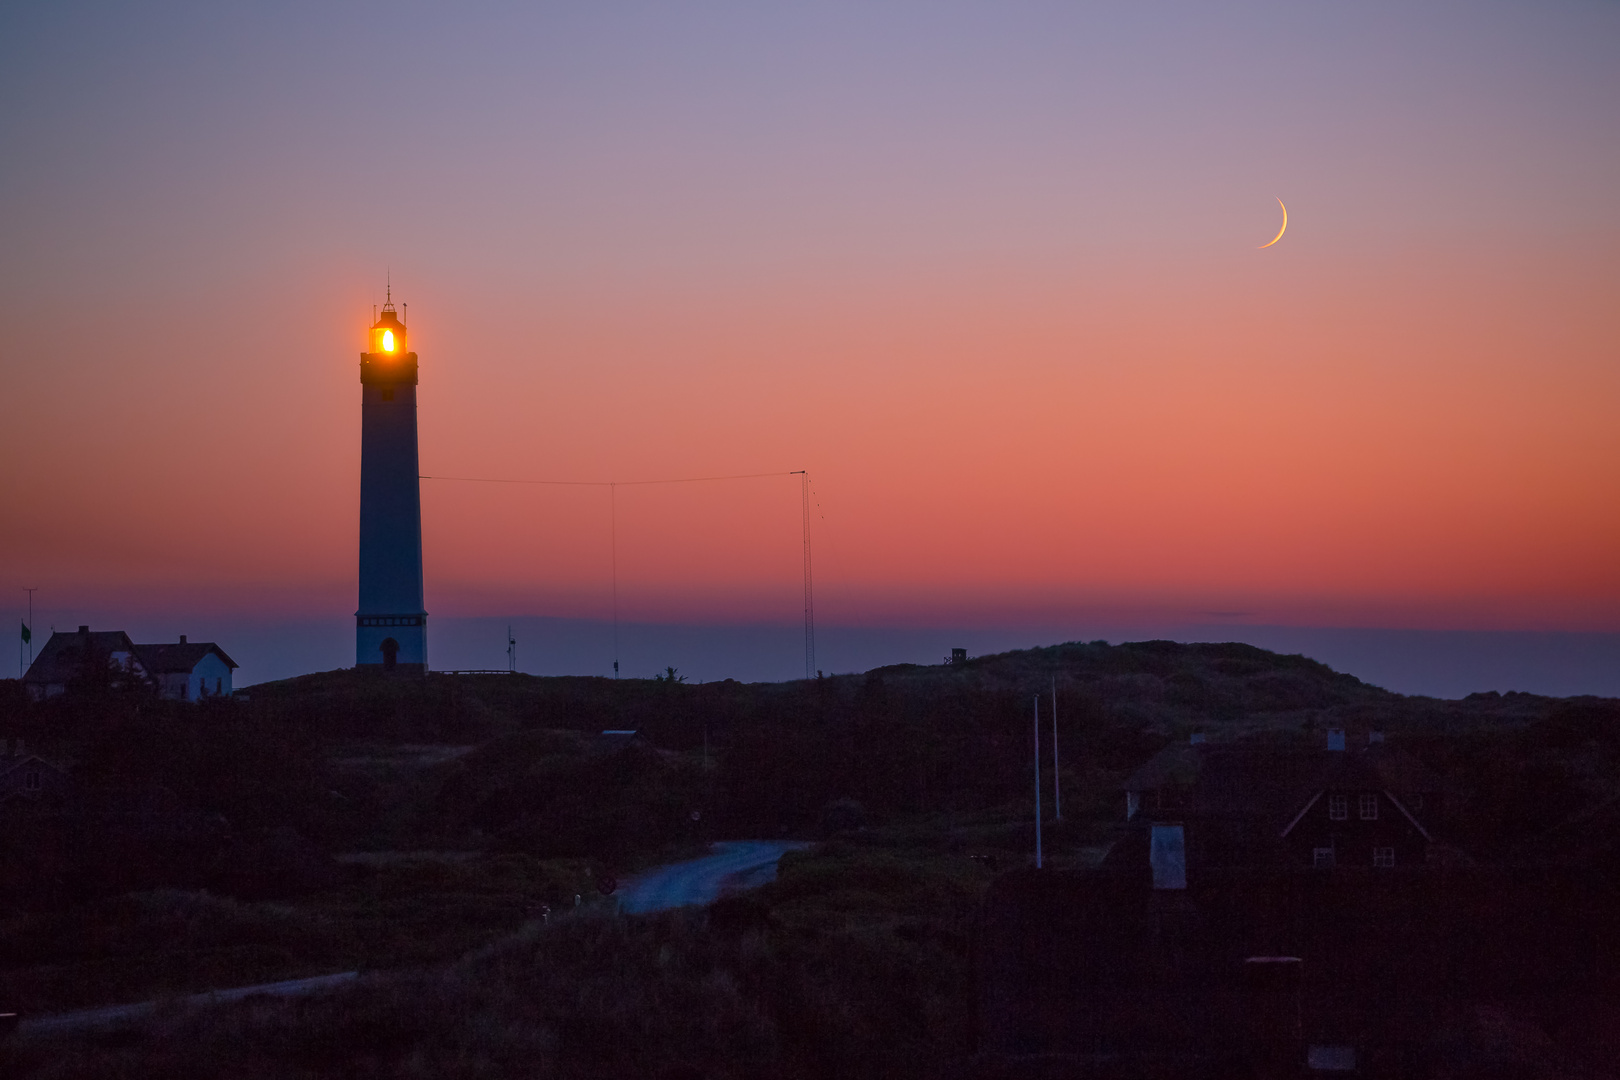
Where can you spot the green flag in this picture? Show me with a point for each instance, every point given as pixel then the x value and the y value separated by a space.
pixel 27 637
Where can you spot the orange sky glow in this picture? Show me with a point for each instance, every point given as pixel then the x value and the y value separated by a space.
pixel 1010 314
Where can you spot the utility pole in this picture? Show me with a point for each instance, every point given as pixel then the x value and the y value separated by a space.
pixel 809 593
pixel 613 545
pixel 511 651
pixel 1037 781
pixel 1057 777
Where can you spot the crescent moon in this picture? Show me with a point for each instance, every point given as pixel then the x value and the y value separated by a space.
pixel 1282 230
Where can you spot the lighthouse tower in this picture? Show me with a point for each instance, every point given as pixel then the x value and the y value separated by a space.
pixel 390 627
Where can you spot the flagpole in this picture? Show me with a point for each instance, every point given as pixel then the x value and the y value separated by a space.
pixel 29 638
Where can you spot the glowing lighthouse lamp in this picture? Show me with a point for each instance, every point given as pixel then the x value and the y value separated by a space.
pixel 390 625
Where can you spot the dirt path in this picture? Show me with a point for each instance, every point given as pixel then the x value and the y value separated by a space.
pixel 734 865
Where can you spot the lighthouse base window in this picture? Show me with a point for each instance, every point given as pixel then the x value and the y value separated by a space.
pixel 1322 858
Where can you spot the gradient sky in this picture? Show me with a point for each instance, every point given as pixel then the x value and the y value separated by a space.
pixel 989 271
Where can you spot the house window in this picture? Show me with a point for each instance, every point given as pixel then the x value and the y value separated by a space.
pixel 219 681
pixel 1322 858
pixel 31 780
pixel 1369 807
pixel 1384 857
pixel 1338 807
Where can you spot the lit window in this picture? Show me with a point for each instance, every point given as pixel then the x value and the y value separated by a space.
pixel 1322 858
pixel 1384 857
pixel 1369 808
pixel 1338 807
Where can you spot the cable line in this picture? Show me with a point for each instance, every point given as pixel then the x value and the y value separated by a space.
pixel 613 486
pixel 605 483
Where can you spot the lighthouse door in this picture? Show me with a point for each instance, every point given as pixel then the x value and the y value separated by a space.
pixel 390 651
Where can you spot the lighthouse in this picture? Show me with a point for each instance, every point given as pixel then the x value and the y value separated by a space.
pixel 391 626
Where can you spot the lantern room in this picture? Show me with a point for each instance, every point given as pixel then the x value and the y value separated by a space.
pixel 388 361
pixel 388 335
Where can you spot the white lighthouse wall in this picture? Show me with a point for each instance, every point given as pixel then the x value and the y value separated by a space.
pixel 390 530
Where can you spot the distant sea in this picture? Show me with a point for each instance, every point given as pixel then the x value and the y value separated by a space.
pixel 1439 663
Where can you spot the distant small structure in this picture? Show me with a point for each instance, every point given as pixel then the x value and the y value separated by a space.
pixel 958 658
pixel 28 780
pixel 183 671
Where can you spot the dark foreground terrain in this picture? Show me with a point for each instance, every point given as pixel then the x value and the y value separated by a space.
pixel 435 833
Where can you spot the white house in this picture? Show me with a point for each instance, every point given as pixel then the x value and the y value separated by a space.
pixel 188 670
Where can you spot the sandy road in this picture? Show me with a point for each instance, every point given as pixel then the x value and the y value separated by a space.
pixel 734 865
pixel 121 1016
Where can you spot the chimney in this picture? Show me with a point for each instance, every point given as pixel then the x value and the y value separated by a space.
pixel 1335 738
pixel 84 630
pixel 182 639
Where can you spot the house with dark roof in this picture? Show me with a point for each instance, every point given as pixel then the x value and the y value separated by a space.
pixel 72 659
pixel 1207 805
pixel 186 671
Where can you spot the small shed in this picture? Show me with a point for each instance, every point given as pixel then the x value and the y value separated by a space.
pixel 28 781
